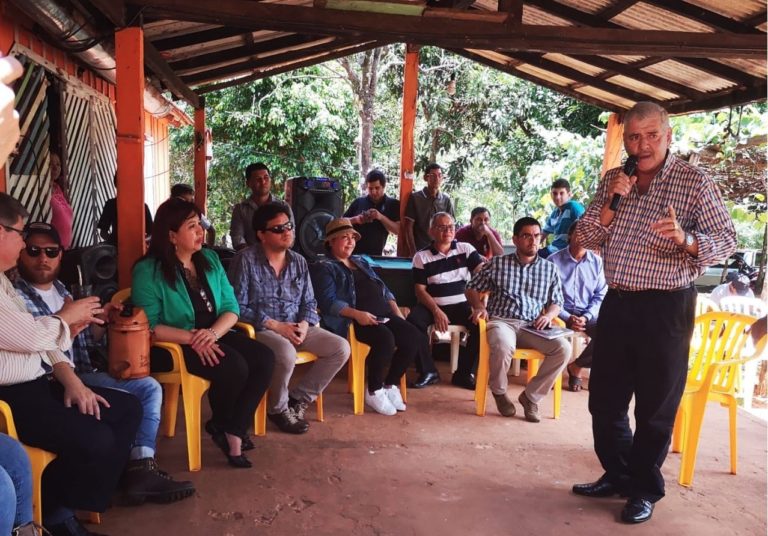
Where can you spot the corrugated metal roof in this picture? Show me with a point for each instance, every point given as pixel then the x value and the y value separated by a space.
pixel 688 54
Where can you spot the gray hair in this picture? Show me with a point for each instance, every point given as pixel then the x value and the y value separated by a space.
pixel 645 109
pixel 437 215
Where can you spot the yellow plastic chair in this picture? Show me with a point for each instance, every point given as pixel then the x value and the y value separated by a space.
pixel 260 418
pixel 534 358
pixel 356 372
pixel 193 387
pixel 38 458
pixel 713 370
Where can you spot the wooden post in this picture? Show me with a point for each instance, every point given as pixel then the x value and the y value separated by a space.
pixel 410 89
pixel 129 45
pixel 201 150
pixel 614 143
pixel 6 42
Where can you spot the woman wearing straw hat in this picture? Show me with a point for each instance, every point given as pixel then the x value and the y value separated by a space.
pixel 348 290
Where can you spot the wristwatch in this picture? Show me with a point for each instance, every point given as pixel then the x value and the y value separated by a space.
pixel 689 239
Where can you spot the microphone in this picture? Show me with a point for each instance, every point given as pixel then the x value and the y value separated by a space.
pixel 629 169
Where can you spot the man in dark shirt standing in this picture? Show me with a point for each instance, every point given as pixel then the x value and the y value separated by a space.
pixel 420 208
pixel 671 223
pixel 374 216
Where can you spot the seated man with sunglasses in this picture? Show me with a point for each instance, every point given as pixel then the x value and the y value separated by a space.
pixel 275 294
pixel 44 295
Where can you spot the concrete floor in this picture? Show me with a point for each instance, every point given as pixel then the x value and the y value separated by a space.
pixel 438 469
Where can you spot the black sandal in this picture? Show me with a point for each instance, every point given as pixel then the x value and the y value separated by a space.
pixel 574 382
pixel 220 438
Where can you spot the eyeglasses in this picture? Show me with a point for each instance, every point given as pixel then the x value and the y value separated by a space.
pixel 280 229
pixel 50 252
pixel 444 228
pixel 21 232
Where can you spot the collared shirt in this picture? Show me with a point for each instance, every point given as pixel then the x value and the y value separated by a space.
pixel 518 291
pixel 420 208
pixel 25 341
pixel 466 234
pixel 583 281
pixel 241 225
pixel 446 274
pixel 559 222
pixel 78 354
pixel 724 290
pixel 373 235
pixel 264 295
pixel 637 258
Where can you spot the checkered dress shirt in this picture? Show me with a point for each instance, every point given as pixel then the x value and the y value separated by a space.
pixel 635 257
pixel 520 291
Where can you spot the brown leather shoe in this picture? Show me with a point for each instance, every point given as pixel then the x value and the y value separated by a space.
pixel 505 405
pixel 531 409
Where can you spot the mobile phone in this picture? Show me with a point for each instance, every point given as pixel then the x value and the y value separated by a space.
pixel 382 319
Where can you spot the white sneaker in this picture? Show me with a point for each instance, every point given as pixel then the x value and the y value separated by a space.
pixel 394 396
pixel 379 402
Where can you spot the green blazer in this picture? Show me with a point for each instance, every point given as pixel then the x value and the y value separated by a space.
pixel 170 306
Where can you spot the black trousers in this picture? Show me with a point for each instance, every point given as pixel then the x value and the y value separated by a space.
pixel 641 348
pixel 457 313
pixel 394 346
pixel 237 383
pixel 90 453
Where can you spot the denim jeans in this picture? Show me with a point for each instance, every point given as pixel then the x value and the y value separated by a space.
pixel 15 485
pixel 150 394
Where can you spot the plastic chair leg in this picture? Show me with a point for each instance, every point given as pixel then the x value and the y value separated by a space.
pixel 350 369
pixel 481 382
pixel 403 390
pixel 732 411
pixel 193 394
pixel 39 460
pixel 691 447
pixel 455 344
pixel 558 396
pixel 260 419
pixel 677 430
pixel 358 384
pixel 319 402
pixel 170 408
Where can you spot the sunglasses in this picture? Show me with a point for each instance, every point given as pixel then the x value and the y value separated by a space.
pixel 280 229
pixel 50 252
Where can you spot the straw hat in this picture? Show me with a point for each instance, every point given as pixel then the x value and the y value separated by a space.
pixel 337 226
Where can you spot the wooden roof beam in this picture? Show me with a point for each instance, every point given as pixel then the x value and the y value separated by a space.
pixel 510 69
pixel 451 33
pixel 579 17
pixel 155 62
pixel 113 10
pixel 197 37
pixel 249 49
pixel 292 66
pixel 248 66
pixel 720 100
pixel 618 7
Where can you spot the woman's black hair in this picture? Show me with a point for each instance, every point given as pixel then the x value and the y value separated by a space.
pixel 170 216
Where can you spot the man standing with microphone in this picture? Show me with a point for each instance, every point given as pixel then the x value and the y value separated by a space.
pixel 670 223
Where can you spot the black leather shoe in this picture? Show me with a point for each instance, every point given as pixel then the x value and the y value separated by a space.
pixel 71 527
pixel 637 511
pixel 288 422
pixel 467 381
pixel 247 443
pixel 602 488
pixel 426 379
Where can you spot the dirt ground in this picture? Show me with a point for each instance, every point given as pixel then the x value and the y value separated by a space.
pixel 438 469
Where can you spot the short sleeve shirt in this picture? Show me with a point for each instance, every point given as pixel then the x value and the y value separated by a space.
pixel 482 246
pixel 420 208
pixel 374 234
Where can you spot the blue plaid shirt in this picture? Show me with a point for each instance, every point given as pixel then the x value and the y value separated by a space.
pixel 78 354
pixel 263 295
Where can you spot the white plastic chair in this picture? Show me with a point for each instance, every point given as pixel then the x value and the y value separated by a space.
pixel 454 331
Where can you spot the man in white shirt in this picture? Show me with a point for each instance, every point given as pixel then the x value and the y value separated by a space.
pixel 736 284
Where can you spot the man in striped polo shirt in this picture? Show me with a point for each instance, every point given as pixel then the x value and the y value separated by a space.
pixel 440 273
pixel 669 225
pixel 524 290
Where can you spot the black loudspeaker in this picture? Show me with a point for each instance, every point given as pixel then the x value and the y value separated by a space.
pixel 98 267
pixel 315 201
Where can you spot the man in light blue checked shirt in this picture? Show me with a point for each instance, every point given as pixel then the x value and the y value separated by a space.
pixel 275 295
pixel 524 290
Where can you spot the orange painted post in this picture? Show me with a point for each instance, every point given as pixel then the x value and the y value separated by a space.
pixel 201 150
pixel 410 90
pixel 129 45
pixel 614 143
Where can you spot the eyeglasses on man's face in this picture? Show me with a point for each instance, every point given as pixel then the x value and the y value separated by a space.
pixel 444 228
pixel 280 229
pixel 530 236
pixel 21 232
pixel 51 252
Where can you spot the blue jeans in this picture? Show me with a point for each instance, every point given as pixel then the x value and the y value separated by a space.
pixel 150 394
pixel 15 485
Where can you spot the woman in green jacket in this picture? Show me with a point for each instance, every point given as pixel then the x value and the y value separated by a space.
pixel 189 301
